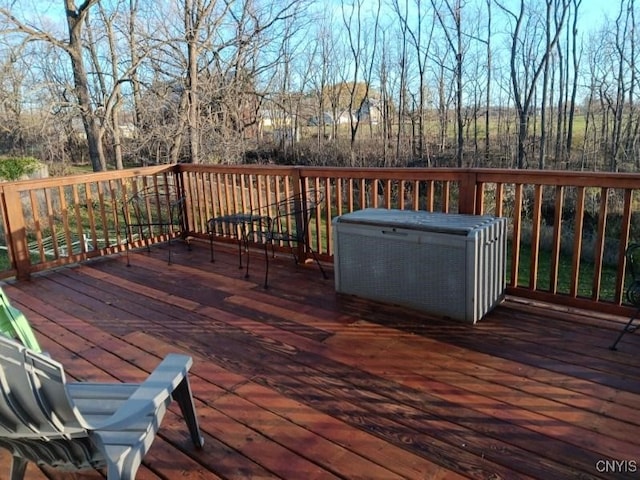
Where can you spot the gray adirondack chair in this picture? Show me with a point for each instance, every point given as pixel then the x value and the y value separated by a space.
pixel 76 426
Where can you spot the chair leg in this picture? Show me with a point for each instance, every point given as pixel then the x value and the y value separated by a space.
pixel 18 468
pixel 182 394
pixel 240 242
pixel 246 249
pixel 211 247
pixel 628 328
pixel 117 471
pixel 266 264
pixel 315 257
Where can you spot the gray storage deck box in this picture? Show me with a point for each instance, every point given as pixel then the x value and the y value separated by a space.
pixel 450 265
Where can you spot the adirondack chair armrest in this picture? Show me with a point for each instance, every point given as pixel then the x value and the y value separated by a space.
pixel 168 379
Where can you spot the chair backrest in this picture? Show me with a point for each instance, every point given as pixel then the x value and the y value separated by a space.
pixel 13 324
pixel 293 216
pixel 159 206
pixel 633 267
pixel 633 260
pixel 34 403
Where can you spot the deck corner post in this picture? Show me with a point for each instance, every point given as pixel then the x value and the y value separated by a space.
pixel 17 233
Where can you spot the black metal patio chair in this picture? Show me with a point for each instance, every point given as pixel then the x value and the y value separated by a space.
pixel 236 225
pixel 633 290
pixel 156 211
pixel 287 225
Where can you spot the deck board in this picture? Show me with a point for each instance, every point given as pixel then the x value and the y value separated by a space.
pixel 297 382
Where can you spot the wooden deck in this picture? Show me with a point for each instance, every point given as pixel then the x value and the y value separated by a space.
pixel 298 383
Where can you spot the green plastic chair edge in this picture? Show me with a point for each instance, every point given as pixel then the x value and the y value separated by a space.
pixel 14 324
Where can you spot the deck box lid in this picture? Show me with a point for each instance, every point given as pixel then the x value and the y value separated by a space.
pixel 453 223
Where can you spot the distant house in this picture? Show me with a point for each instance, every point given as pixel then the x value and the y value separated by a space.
pixel 370 111
pixel 288 135
pixel 127 130
pixel 265 119
pixel 328 119
pixel 345 118
pixel 275 118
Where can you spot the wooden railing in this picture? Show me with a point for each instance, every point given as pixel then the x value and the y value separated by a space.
pixel 56 221
pixel 567 230
pixel 547 260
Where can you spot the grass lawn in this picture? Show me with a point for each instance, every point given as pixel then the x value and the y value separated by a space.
pixel 585 280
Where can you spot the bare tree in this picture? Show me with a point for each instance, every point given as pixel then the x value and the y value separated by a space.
pixel 293 78
pixel 199 29
pixel 633 123
pixel 576 53
pixel 362 44
pixel 196 89
pixel 403 62
pixel 110 111
pixel 419 32
pixel 94 108
pixel 385 95
pixel 455 12
pixel 445 91
pixel 12 131
pixel 545 86
pixel 110 69
pixel 76 17
pixel 323 63
pixel 487 114
pixel 616 102
pixel 524 52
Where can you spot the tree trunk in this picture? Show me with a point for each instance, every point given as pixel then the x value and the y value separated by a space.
pixel 574 86
pixel 190 19
pixel 487 117
pixel 135 60
pixel 459 59
pixel 75 21
pixel 545 86
pixel 113 102
pixel 523 126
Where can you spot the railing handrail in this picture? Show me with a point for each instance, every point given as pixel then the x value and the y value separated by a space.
pixel 80 178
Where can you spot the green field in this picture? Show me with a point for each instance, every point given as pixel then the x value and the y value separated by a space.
pixel 585 280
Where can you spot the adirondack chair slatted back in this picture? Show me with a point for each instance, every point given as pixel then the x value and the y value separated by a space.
pixel 34 401
pixel 59 454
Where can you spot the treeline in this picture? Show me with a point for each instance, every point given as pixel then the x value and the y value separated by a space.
pixel 516 84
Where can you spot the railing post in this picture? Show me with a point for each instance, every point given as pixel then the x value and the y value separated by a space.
pixel 17 233
pixel 186 206
pixel 467 193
